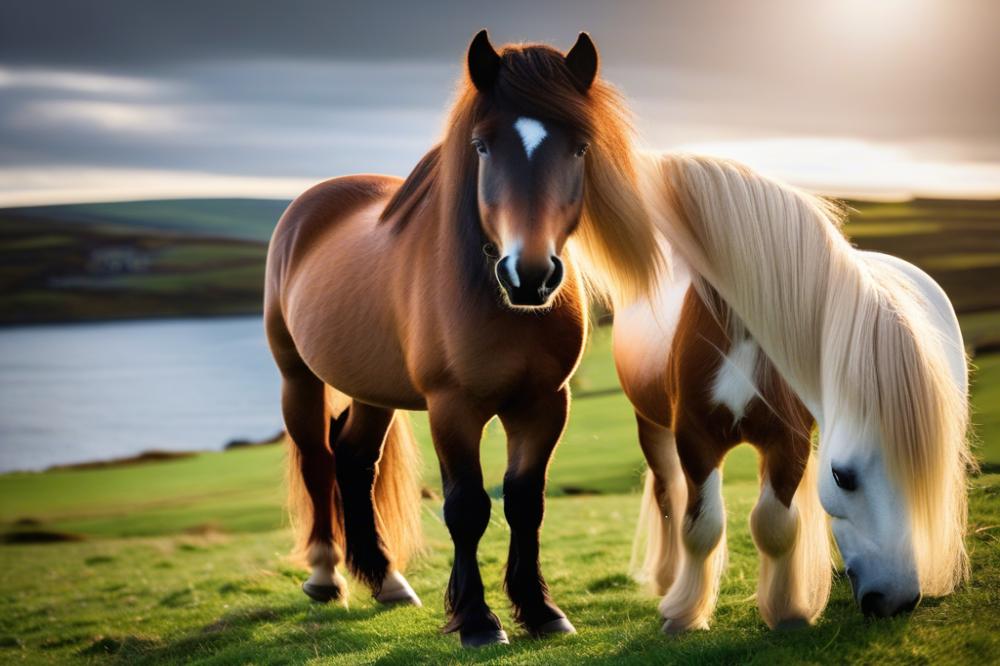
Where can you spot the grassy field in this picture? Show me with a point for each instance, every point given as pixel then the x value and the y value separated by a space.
pixel 66 270
pixel 134 259
pixel 185 560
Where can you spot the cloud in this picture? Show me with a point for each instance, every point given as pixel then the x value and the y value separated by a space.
pixel 279 114
pixel 851 167
pixel 77 81
pixel 66 114
pixel 72 184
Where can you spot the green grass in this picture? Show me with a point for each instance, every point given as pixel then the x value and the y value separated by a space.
pixel 185 560
pixel 247 219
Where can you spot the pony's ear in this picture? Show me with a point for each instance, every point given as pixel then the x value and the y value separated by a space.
pixel 582 62
pixel 484 62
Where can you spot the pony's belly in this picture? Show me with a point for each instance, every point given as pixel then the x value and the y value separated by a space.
pixel 355 350
pixel 368 373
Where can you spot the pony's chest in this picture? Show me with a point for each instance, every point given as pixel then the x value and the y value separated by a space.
pixel 510 354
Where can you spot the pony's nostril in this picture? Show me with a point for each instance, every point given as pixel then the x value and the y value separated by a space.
pixel 873 604
pixel 508 277
pixel 555 276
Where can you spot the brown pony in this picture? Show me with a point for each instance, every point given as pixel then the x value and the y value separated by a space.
pixel 458 291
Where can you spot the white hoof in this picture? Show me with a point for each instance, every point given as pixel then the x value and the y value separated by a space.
pixel 324 586
pixel 675 627
pixel 395 590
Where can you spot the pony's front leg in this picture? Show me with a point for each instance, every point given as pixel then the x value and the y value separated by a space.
pixel 457 427
pixel 533 430
pixel 690 601
pixel 790 530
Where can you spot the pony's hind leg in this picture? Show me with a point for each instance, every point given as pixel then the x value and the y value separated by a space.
pixel 457 427
pixel 533 430
pixel 661 514
pixel 311 481
pixel 790 530
pixel 357 448
pixel 690 601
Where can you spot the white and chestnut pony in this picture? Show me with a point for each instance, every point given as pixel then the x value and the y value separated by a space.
pixel 459 291
pixel 771 324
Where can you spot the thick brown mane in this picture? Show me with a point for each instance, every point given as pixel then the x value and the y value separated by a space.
pixel 414 190
pixel 618 251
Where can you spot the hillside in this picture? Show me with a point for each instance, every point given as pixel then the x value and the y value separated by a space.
pixel 206 257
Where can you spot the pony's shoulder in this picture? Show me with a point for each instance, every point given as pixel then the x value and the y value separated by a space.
pixel 326 205
pixel 341 196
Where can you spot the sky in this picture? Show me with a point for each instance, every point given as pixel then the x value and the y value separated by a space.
pixel 126 99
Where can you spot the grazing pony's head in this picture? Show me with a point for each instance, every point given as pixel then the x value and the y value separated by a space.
pixel 538 150
pixel 894 440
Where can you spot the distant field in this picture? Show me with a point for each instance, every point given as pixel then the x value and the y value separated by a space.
pixel 109 265
pixel 958 243
pixel 206 257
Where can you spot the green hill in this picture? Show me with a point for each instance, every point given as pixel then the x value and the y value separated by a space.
pixel 196 257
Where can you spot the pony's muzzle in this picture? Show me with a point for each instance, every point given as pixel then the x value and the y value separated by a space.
pixel 529 284
pixel 878 603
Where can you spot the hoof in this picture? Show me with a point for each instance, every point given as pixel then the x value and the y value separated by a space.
pixel 397 592
pixel 560 625
pixel 400 599
pixel 322 593
pixel 675 628
pixel 792 624
pixel 484 638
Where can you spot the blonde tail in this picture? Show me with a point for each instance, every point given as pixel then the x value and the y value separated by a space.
pixel 656 551
pixel 397 492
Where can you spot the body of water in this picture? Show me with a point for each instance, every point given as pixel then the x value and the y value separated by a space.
pixel 83 392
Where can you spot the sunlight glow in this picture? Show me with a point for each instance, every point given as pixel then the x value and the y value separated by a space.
pixel 854 167
pixel 43 186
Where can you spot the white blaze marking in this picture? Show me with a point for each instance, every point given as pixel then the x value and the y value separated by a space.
pixel 511 264
pixel 734 384
pixel 532 133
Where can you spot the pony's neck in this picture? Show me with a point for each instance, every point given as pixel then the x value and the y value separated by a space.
pixel 457 248
pixel 773 253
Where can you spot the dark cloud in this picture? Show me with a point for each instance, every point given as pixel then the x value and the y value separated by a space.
pixel 305 88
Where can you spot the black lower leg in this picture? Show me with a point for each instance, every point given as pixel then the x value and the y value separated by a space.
pixel 356 460
pixel 524 505
pixel 467 513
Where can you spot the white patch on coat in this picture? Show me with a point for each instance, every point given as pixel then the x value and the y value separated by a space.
pixel 704 532
pixel 734 385
pixel 644 330
pixel 532 133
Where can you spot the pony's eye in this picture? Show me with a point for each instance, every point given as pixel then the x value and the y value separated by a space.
pixel 480 147
pixel 581 150
pixel 845 479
